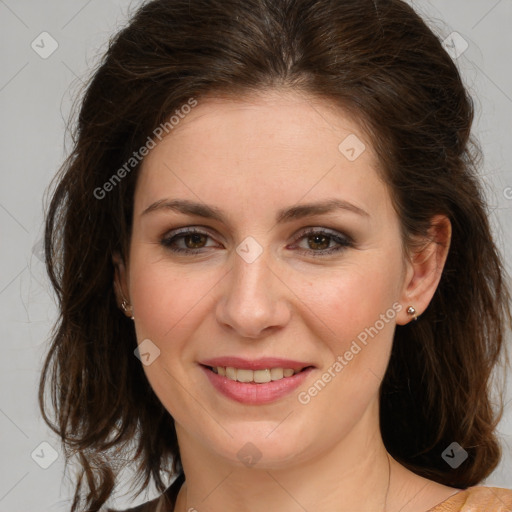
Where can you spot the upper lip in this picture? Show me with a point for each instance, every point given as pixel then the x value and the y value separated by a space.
pixel 255 364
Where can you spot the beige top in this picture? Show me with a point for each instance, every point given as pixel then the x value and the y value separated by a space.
pixel 477 499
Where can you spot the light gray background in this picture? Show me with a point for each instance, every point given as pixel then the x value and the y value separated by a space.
pixel 35 101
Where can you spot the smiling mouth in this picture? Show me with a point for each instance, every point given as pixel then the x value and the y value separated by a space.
pixel 255 376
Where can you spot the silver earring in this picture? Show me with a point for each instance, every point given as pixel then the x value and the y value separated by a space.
pixel 412 311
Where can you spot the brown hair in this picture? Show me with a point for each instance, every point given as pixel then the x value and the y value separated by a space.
pixel 379 61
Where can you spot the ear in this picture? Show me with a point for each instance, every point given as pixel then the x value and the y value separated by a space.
pixel 120 279
pixel 424 268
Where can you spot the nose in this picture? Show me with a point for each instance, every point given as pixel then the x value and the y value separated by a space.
pixel 254 300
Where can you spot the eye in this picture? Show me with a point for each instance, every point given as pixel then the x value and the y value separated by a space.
pixel 319 241
pixel 193 239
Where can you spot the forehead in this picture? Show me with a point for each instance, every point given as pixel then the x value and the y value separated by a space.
pixel 273 147
pixel 282 120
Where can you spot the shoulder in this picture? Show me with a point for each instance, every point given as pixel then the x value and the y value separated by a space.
pixel 478 499
pixel 490 499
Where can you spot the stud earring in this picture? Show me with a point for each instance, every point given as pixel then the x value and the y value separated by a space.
pixel 412 311
pixel 126 307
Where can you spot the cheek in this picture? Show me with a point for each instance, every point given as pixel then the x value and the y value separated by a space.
pixel 167 302
pixel 170 303
pixel 354 311
pixel 354 315
pixel 349 300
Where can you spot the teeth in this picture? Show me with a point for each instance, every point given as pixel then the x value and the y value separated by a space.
pixel 276 373
pixel 256 376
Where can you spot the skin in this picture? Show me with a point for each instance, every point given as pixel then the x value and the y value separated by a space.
pixel 250 157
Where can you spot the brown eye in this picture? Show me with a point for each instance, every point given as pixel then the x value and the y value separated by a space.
pixel 319 240
pixel 192 240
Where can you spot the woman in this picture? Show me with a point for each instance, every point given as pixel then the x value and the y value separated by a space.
pixel 276 274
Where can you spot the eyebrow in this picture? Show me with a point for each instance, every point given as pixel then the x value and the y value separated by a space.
pixel 284 215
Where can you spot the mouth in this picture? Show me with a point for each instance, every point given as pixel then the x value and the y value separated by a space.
pixel 260 376
pixel 267 381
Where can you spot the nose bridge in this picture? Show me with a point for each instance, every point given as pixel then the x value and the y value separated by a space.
pixel 252 300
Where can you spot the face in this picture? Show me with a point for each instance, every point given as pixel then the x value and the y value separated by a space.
pixel 265 277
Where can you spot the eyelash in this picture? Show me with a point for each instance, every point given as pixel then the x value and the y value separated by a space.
pixel 343 241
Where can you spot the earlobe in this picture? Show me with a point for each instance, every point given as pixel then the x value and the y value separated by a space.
pixel 120 285
pixel 424 270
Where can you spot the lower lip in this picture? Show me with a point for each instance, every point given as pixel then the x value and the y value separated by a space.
pixel 256 394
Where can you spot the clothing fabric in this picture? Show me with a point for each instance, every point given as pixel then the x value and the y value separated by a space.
pixel 473 499
pixel 164 503
pixel 477 499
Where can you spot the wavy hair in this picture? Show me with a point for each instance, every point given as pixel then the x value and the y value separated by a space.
pixel 379 61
